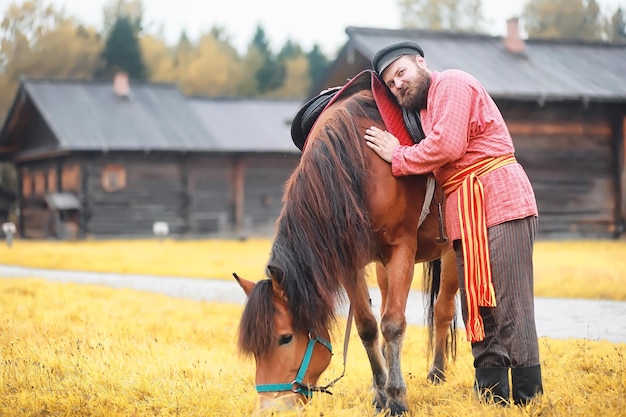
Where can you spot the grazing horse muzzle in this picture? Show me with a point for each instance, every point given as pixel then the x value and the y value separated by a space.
pixel 289 392
pixel 267 405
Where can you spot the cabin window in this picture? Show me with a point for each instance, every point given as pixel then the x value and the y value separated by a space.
pixel 27 184
pixel 52 181
pixel 40 183
pixel 113 178
pixel 70 178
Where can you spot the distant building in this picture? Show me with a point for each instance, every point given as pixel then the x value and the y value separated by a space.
pixel 98 159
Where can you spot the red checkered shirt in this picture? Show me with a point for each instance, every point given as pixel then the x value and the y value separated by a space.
pixel 463 125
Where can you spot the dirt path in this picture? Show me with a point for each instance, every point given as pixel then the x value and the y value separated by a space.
pixel 556 318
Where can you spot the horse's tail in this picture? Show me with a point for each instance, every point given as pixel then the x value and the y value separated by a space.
pixel 431 285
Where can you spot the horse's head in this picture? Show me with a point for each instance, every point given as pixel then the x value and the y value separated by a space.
pixel 288 362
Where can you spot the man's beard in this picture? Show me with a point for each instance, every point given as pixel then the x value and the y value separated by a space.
pixel 415 95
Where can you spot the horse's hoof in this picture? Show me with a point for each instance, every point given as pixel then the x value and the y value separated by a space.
pixel 380 402
pixel 436 376
pixel 397 409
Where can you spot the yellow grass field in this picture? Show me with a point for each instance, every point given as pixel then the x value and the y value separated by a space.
pixel 594 269
pixel 86 350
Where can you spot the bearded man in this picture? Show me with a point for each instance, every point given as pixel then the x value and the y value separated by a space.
pixel 491 212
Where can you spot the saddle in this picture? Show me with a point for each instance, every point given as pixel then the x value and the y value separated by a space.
pixel 405 125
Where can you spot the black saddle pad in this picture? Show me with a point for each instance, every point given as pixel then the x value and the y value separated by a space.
pixel 307 115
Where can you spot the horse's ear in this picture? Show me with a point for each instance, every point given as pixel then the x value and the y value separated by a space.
pixel 276 276
pixel 246 285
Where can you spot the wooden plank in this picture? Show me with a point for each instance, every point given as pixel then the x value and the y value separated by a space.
pixel 265 181
pixel 556 128
pixel 569 158
pixel 210 190
pixel 622 170
pixel 238 182
pixel 155 191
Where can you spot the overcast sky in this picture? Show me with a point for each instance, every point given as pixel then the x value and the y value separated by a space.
pixel 307 22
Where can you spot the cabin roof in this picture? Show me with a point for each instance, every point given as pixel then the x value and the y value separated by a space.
pixel 250 125
pixel 544 69
pixel 90 116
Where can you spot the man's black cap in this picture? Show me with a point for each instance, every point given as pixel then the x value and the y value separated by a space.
pixel 388 54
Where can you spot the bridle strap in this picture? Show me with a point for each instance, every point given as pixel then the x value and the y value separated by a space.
pixel 346 340
pixel 297 386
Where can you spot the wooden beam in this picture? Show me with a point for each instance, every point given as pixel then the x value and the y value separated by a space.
pixel 8 149
pixel 577 128
pixel 622 177
pixel 238 183
pixel 184 166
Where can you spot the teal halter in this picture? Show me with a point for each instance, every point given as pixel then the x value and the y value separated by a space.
pixel 297 386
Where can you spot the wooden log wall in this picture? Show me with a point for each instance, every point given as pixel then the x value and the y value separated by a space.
pixel 211 205
pixel 238 193
pixel 153 192
pixel 574 154
pixel 622 170
pixel 568 150
pixel 264 185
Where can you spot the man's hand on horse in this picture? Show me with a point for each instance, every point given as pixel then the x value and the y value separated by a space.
pixel 382 142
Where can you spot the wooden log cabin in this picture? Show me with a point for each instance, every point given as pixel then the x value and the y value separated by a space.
pixel 101 159
pixel 564 103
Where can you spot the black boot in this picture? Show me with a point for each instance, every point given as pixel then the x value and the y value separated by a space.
pixel 492 385
pixel 526 383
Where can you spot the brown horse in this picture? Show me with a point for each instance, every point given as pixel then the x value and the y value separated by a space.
pixel 343 209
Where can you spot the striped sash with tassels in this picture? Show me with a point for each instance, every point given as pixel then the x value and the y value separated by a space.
pixel 478 286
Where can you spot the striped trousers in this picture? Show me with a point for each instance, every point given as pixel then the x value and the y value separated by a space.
pixel 510 331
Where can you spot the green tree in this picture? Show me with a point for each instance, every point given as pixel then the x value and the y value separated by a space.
pixel 270 75
pixel 318 64
pixel 296 80
pixel 290 49
pixel 450 15
pixel 567 19
pixel 122 51
pixel 131 9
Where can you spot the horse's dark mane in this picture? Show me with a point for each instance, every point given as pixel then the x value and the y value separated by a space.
pixel 323 233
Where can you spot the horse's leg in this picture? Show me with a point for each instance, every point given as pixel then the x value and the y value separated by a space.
pixel 444 314
pixel 393 323
pixel 383 284
pixel 367 327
